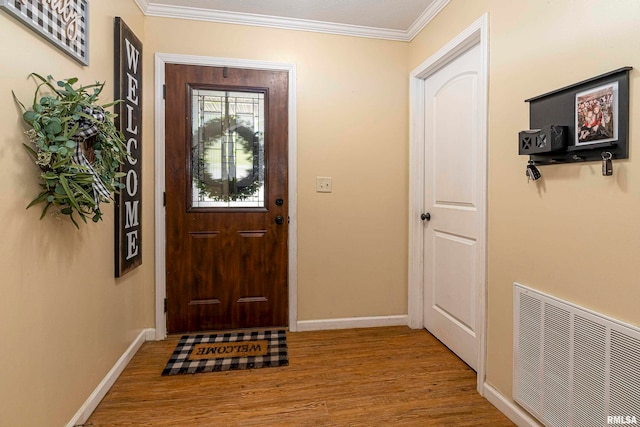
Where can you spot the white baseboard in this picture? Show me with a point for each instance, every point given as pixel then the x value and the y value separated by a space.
pixel 351 323
pixel 107 382
pixel 519 416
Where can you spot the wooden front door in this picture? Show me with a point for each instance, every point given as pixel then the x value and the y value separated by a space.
pixel 226 198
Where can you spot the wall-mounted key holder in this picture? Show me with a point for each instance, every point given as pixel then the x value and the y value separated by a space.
pixel 580 122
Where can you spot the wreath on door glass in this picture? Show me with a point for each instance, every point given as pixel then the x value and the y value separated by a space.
pixel 231 189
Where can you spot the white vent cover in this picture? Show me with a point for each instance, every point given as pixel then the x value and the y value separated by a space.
pixel 573 367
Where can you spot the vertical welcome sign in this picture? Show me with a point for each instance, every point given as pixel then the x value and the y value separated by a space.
pixel 128 84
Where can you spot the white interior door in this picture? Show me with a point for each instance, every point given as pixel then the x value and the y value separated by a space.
pixel 454 198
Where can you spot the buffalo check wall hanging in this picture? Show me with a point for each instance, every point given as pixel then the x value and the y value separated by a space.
pixel 64 23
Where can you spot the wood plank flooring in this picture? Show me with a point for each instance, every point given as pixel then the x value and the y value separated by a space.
pixel 356 377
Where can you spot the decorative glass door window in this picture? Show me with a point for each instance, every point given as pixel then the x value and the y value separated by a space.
pixel 227 149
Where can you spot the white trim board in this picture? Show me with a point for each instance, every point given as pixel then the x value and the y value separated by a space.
pixel 510 409
pixel 180 12
pixel 352 323
pixel 161 59
pixel 107 382
pixel 476 33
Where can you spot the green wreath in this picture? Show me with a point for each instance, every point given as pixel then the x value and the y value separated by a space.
pixel 237 189
pixel 213 189
pixel 77 147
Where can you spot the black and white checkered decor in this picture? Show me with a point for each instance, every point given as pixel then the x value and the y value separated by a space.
pixel 65 24
pixel 277 355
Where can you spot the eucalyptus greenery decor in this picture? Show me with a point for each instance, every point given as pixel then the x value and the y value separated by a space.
pixel 76 145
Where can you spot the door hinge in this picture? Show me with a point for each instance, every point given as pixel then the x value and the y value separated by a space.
pixel 165 305
pixel 164 199
pixel 164 91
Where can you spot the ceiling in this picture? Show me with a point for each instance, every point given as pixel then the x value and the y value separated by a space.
pixel 386 19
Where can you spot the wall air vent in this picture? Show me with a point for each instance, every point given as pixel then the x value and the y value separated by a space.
pixel 574 367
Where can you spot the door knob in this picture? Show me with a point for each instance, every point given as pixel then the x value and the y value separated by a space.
pixel 279 220
pixel 425 216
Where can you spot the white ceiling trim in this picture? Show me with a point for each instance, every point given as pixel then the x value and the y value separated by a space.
pixel 218 16
pixel 426 17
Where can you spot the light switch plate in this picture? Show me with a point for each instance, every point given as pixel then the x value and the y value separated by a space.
pixel 323 184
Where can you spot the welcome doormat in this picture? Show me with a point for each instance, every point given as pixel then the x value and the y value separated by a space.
pixel 228 351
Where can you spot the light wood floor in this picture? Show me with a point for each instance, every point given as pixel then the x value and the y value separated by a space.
pixel 358 377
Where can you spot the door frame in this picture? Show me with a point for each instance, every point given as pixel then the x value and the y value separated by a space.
pixel 161 59
pixel 476 33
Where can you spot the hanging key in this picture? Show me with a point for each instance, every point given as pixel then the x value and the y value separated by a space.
pixel 532 172
pixel 607 164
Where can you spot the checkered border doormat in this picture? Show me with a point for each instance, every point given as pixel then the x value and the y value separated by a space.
pixel 276 353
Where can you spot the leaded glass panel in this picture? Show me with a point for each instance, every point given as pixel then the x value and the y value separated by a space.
pixel 227 149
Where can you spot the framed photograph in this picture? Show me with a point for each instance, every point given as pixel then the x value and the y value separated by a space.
pixel 597 115
pixel 65 24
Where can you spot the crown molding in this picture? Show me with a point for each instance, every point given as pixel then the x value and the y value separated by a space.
pixel 427 16
pixel 198 14
pixel 143 5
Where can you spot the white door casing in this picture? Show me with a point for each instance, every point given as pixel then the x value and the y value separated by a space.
pixel 448 179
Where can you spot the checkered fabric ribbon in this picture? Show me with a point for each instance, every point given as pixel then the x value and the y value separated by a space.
pixel 88 128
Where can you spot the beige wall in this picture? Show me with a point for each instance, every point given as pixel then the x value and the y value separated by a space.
pixel 574 234
pixel 64 319
pixel 353 126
